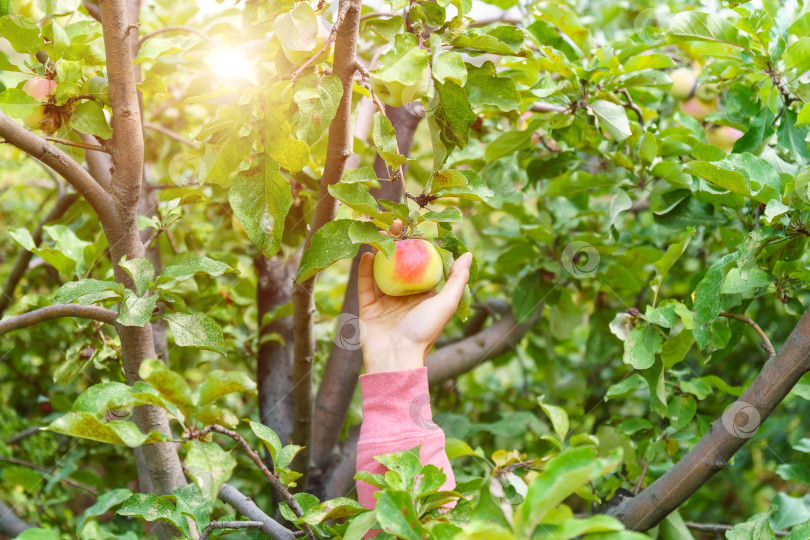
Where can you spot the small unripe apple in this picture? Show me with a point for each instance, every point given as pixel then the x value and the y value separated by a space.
pixel 34 120
pixel 684 81
pixel 414 268
pixel 27 9
pixel 40 88
pixel 300 57
pixel 723 137
pixel 397 94
pixel 697 108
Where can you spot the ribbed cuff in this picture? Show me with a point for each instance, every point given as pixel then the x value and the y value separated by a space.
pixel 396 402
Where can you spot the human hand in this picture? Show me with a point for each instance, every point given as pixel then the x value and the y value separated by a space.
pixel 400 330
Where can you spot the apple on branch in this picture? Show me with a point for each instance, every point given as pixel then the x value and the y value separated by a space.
pixel 45 118
pixel 684 82
pixel 723 137
pixel 415 267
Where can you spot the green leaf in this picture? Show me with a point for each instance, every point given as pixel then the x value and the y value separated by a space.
pixel 360 525
pixel 759 131
pixel 39 534
pixel 504 39
pixel 297 30
pixel 197 264
pixel 171 385
pixel 613 118
pixel 24 238
pixel 73 291
pixel 267 436
pixel 140 270
pixel 219 383
pixel 666 262
pixel 150 507
pixel 403 65
pixel 791 137
pixel 797 56
pixel 449 66
pixel 318 99
pixel 338 508
pixel 451 214
pixel 22 34
pixel 365 232
pixel 210 467
pixel 385 139
pixel 158 46
pixel 453 115
pixel 558 417
pixel 396 515
pixel 640 347
pixel 136 311
pixel 17 103
pixel 462 184
pixel 707 299
pixel 196 330
pixel 356 196
pixel 743 174
pixel 330 243
pixel 88 117
pixel 756 528
pixel 89 426
pixel 261 198
pixel 103 504
pixel 485 87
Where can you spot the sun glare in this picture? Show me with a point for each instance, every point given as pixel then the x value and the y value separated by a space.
pixel 231 64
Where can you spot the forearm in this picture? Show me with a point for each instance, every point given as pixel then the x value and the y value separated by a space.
pixel 397 416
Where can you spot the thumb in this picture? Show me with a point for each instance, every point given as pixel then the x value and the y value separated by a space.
pixel 450 295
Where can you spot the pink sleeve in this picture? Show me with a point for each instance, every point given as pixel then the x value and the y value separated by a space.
pixel 396 416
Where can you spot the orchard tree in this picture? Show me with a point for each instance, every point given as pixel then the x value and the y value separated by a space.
pixel 187 191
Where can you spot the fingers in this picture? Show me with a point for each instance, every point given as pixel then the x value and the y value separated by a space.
pixel 365 281
pixel 450 295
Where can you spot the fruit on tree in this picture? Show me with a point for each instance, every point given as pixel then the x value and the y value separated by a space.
pixel 27 9
pixel 723 137
pixel 697 108
pixel 46 118
pixel 684 81
pixel 298 57
pixel 40 88
pixel 414 268
pixel 396 94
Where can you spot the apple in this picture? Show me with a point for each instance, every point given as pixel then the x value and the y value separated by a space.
pixel 697 108
pixel 684 81
pixel 40 88
pixel 723 137
pixel 414 268
pixel 300 57
pixel 396 94
pixel 34 120
pixel 27 9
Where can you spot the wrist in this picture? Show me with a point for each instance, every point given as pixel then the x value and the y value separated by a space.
pixel 393 357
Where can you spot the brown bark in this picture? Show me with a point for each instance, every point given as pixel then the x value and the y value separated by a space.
pixel 55 312
pixel 275 360
pixel 725 436
pixel 344 365
pixel 63 203
pixel 337 153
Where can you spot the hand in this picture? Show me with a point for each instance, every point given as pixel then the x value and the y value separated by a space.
pixel 400 330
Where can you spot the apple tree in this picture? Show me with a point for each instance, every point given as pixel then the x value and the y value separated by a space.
pixel 187 190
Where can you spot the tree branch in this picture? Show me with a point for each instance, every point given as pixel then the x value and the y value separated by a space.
pixel 725 436
pixel 766 343
pixel 171 134
pixel 547 107
pixel 269 475
pixel 338 151
pixel 24 258
pixel 460 357
pixel 719 528
pixel 188 29
pixel 66 480
pixel 245 506
pixel 10 524
pixel 339 18
pixel 63 164
pixel 99 164
pixel 230 525
pixel 48 313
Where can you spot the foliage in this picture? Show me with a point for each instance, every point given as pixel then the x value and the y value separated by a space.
pixel 550 148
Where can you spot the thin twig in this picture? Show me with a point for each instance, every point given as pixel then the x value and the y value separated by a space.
pixel 343 8
pixel 269 475
pixel 47 313
pixel 57 140
pixel 720 528
pixel 67 480
pixel 632 106
pixel 547 107
pixel 171 134
pixel 230 525
pixel 188 29
pixel 766 343
pixel 376 14
pixel 641 478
